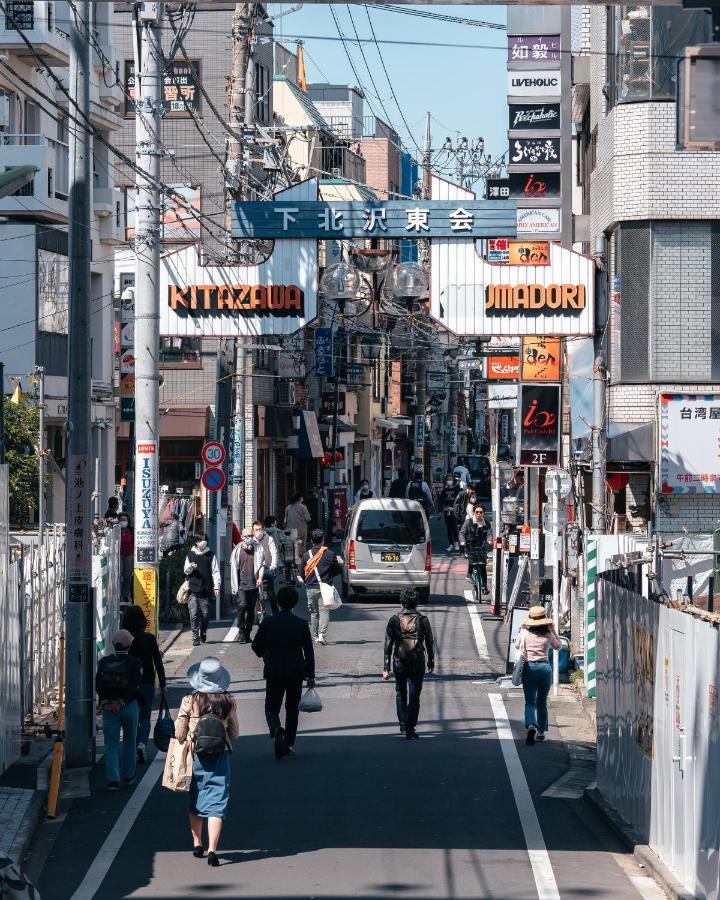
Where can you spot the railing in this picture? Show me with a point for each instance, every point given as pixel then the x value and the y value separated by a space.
pixel 367 126
pixel 58 159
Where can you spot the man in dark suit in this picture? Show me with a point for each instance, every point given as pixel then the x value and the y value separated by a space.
pixel 284 643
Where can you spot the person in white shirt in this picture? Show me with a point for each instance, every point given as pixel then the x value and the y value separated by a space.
pixel 462 472
pixel 270 559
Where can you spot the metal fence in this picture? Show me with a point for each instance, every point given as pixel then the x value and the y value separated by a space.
pixel 658 676
pixel 10 643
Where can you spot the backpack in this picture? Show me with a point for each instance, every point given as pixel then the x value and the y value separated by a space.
pixel 416 492
pixel 210 736
pixel 114 677
pixel 410 643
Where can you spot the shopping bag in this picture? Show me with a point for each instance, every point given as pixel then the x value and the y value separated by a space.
pixel 177 774
pixel 164 730
pixel 519 664
pixel 183 594
pixel 330 597
pixel 310 701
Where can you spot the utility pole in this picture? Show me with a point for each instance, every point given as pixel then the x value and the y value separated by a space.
pixel 40 374
pixel 242 116
pixel 2 414
pixel 79 615
pixel 147 18
pixel 598 445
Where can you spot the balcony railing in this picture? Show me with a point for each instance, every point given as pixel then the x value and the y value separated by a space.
pixel 353 128
pixel 47 193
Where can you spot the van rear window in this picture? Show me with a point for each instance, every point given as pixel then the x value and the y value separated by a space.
pixel 380 526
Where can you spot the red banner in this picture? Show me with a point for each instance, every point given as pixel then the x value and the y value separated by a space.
pixel 339 506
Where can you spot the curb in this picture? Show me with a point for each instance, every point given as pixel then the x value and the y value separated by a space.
pixel 170 640
pixel 33 814
pixel 665 878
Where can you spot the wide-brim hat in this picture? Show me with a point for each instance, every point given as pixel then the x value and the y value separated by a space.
pixel 209 676
pixel 536 617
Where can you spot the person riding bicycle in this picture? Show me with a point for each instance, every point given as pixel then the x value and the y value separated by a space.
pixel 473 538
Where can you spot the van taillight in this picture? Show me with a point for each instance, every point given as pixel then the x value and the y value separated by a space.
pixel 351 555
pixel 428 557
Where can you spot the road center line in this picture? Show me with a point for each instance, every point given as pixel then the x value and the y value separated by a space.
pixel 543 874
pixel 476 622
pixel 100 866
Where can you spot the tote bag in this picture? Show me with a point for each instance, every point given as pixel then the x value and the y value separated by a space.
pixel 164 727
pixel 177 774
pixel 519 663
pixel 330 597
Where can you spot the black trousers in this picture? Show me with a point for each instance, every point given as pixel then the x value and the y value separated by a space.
pixel 247 601
pixel 453 532
pixel 275 690
pixel 408 687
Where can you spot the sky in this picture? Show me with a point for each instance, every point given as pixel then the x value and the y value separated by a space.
pixel 463 87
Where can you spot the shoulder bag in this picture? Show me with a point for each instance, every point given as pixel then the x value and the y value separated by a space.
pixel 519 663
pixel 177 773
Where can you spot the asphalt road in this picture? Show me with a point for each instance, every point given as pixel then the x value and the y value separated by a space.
pixel 359 811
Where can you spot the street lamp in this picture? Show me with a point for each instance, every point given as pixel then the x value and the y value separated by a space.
pixel 408 282
pixel 340 283
pixel 370 346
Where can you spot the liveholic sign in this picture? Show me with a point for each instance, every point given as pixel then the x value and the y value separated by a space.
pixel 539 425
pixel 534 117
pixel 537 83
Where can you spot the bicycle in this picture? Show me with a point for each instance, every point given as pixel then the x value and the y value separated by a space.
pixel 478 571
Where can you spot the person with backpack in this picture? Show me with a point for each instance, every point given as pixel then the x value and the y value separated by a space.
pixel 201 568
pixel 418 489
pixel 117 684
pixel 398 486
pixel 285 646
pixel 208 719
pixel 145 649
pixel 319 566
pixel 408 643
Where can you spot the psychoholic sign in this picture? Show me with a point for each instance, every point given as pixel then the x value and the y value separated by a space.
pixel 539 418
pixel 534 117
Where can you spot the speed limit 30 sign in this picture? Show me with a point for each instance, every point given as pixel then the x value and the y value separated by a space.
pixel 213 453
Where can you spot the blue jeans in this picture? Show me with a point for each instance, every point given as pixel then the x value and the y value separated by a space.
pixel 536 680
pixel 127 720
pixel 148 692
pixel 408 687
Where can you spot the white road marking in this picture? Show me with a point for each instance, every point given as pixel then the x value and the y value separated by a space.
pixel 543 874
pixel 477 628
pixel 100 866
pixel 232 634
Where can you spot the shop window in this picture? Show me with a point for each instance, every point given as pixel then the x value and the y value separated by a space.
pixel 180 352
pixel 644 46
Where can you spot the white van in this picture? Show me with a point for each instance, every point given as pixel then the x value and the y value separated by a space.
pixel 386 547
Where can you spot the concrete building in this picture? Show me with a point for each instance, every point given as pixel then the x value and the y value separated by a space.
pixel 34 226
pixel 654 225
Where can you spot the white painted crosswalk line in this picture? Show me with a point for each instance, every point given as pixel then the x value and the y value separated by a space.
pixel 476 622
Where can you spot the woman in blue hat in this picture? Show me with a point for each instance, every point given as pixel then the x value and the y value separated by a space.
pixel 208 718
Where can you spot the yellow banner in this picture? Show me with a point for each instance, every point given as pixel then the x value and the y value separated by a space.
pixel 145 595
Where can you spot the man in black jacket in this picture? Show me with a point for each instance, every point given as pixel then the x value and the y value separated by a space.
pixel 284 643
pixel 473 539
pixel 408 638
pixel 398 487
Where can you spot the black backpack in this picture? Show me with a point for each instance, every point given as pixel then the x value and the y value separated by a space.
pixel 416 492
pixel 114 677
pixel 210 736
pixel 411 643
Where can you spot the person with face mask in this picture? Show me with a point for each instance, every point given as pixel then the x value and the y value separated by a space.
pixel 474 538
pixel 247 567
pixel 127 553
pixel 364 492
pixel 445 504
pixel 201 567
pixel 270 559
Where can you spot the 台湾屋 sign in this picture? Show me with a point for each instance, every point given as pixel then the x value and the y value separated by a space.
pixel 323 220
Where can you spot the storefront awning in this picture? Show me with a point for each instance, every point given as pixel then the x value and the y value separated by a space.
pixel 188 423
pixel 631 442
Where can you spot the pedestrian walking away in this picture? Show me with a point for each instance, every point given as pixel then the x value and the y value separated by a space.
pixel 270 560
pixel 297 517
pixel 445 504
pixel 112 513
pixel 474 539
pixel 409 649
pixel 462 471
pixel 537 635
pixel 208 719
pixel 145 649
pixel 203 573
pixel 247 566
pixel 319 566
pixel 117 685
pixel 127 556
pixel 285 646
pixel 364 492
pixel 418 489
pixel 170 539
pixel 398 486
pixel 465 504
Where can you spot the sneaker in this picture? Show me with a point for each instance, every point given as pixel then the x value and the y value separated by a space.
pixel 290 751
pixel 531 735
pixel 468 578
pixel 196 642
pixel 457 547
pixel 450 548
pixel 203 638
pixel 485 592
pixel 141 754
pixel 540 736
pixel 321 639
pixel 113 785
pixel 402 729
pixel 280 743
pixel 128 782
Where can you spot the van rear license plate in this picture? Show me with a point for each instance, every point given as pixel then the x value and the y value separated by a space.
pixel 389 557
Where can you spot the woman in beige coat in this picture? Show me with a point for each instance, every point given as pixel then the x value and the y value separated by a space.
pixel 210 788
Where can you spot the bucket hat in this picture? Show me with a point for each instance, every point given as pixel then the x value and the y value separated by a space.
pixel 209 676
pixel 122 640
pixel 537 617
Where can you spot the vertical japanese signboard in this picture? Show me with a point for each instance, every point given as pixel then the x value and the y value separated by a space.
pixel 323 351
pixel 127 358
pixel 78 525
pixel 339 506
pixel 145 594
pixel 539 416
pixel 453 426
pixel 689 435
pixel 146 504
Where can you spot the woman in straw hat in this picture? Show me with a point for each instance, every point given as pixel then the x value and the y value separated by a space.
pixel 537 635
pixel 210 787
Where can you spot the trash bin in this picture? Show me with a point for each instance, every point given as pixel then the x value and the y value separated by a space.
pixel 564 657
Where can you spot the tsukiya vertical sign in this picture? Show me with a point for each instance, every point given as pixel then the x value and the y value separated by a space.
pixel 146 503
pixel 539 416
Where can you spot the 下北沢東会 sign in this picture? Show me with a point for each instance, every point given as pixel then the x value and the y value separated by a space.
pixel 533 82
